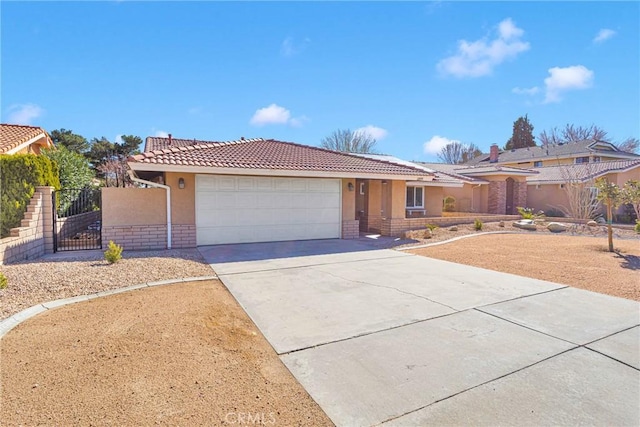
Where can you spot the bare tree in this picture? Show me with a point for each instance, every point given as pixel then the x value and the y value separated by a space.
pixel 115 171
pixel 456 153
pixel 571 133
pixel 582 201
pixel 348 141
pixel 629 145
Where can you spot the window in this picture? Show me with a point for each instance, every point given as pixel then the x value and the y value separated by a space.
pixel 414 197
pixel 580 160
pixel 596 159
pixel 537 164
pixel 362 188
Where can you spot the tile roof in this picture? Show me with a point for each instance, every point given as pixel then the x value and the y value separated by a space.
pixel 571 149
pixel 12 136
pixel 582 172
pixel 264 154
pixel 454 171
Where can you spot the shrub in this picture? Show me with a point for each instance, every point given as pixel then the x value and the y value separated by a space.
pixel 431 226
pixel 113 253
pixel 477 224
pixel 449 204
pixel 528 213
pixel 20 175
pixel 3 281
pixel 637 227
pixel 553 212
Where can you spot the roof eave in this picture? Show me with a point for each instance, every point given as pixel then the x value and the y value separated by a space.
pixel 154 167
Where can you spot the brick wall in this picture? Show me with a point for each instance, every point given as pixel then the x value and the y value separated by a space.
pixel 351 229
pixel 136 237
pixel 149 237
pixel 520 194
pixel 183 236
pixel 397 226
pixel 497 197
pixel 34 237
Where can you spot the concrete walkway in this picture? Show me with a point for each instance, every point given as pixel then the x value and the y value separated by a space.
pixel 378 336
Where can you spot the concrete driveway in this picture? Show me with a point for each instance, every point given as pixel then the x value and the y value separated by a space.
pixel 379 336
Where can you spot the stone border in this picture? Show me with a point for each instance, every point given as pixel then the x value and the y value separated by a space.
pixel 426 245
pixel 12 321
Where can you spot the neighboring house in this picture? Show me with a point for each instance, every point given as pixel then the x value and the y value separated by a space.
pixel 22 139
pixel 255 190
pixel 546 190
pixel 577 152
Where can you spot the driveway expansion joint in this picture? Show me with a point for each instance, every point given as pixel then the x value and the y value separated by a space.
pixel 479 385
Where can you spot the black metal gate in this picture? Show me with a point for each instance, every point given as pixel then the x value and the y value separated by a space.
pixel 77 219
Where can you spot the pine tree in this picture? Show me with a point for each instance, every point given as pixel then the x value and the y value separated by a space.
pixel 522 134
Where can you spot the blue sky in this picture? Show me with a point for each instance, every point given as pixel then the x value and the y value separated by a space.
pixel 413 74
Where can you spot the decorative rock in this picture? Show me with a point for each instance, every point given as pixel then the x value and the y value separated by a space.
pixel 525 224
pixel 501 224
pixel 453 228
pixel 592 223
pixel 557 227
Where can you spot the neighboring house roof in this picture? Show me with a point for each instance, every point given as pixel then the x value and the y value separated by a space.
pixel 587 147
pixel 257 156
pixel 581 172
pixel 15 137
pixel 454 172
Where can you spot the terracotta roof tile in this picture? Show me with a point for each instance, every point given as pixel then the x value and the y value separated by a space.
pixel 265 154
pixel 12 136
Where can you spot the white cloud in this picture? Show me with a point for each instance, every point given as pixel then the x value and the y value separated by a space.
pixel 291 47
pixel 525 91
pixel 23 114
pixel 603 34
pixel 374 132
pixel 435 144
pixel 479 58
pixel 118 139
pixel 564 79
pixel 276 115
pixel 161 134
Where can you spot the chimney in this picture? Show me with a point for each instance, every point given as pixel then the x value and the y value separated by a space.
pixel 170 139
pixel 242 138
pixel 493 154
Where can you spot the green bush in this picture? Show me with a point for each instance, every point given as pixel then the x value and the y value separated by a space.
pixel 477 225
pixel 20 174
pixel 431 226
pixel 449 204
pixel 3 281
pixel 528 213
pixel 637 227
pixel 113 253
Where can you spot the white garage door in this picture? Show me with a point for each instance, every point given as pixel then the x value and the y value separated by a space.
pixel 240 209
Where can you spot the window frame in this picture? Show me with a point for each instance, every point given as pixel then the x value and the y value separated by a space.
pixel 414 206
pixel 537 164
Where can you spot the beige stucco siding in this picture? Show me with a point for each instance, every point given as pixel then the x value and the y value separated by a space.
pixel 348 200
pixel 433 197
pixel 183 201
pixel 133 206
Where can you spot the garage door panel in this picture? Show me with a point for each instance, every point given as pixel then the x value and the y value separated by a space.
pixel 255 209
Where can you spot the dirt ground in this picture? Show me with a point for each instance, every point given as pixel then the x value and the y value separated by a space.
pixel 183 354
pixel 579 261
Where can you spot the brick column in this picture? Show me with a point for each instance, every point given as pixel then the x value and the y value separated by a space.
pixel 350 229
pixel 47 217
pixel 520 194
pixel 497 197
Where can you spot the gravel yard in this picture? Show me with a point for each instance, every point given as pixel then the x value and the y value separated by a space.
pixel 183 354
pixel 85 273
pixel 579 261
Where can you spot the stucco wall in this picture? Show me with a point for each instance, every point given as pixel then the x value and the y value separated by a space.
pixel 348 200
pixel 133 206
pixel 433 197
pixel 183 200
